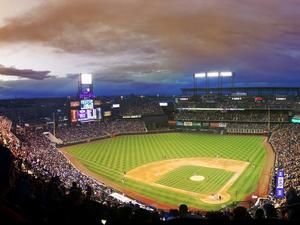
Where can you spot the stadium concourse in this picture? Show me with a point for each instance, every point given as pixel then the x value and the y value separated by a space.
pixel 39 185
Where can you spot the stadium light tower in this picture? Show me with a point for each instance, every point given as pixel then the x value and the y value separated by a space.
pixel 199 75
pixel 85 86
pixel 195 76
pixel 226 74
pixel 214 74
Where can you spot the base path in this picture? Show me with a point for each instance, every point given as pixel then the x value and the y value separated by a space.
pixel 152 172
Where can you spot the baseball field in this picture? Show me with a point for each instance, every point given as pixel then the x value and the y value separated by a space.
pixel 203 171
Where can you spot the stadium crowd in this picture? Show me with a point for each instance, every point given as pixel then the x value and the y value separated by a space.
pixel 286 143
pixel 232 116
pixel 141 108
pixel 233 102
pixel 38 185
pixel 39 166
pixel 247 128
pixel 96 130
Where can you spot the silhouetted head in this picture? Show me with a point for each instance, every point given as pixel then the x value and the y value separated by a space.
pixel 240 213
pixel 270 211
pixel 183 210
pixel 291 196
pixel 7 170
pixel 259 214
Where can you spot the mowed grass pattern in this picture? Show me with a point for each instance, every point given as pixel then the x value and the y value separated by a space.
pixel 179 178
pixel 110 158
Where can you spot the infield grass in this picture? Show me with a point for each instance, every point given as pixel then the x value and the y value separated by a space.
pixel 214 179
pixel 110 158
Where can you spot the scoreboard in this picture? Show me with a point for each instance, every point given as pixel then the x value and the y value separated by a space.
pixel 86 104
pixel 85 110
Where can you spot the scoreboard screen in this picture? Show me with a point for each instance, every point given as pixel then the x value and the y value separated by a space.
pixel 73 115
pixel 86 114
pixel 86 104
pixel 107 113
pixel 86 110
pixel 74 104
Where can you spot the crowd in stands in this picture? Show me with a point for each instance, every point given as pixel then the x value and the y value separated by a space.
pixel 244 102
pixel 7 138
pixel 80 132
pixel 49 178
pixel 141 108
pixel 262 126
pixel 38 185
pixel 35 199
pixel 33 111
pixel 96 130
pixel 232 116
pixel 286 143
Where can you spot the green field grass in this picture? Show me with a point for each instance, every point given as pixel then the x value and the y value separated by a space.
pixel 110 158
pixel 179 178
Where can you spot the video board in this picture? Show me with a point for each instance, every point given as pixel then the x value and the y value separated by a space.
pixel 73 115
pixel 97 102
pixel 86 104
pixel 85 110
pixel 115 106
pixel 75 104
pixel 163 104
pixel 86 114
pixel 107 113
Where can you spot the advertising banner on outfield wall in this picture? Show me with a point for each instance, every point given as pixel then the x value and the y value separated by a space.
pixel 185 123
pixel 214 125
pixel 205 124
pixel 218 125
pixel 223 125
pixel 188 124
pixel 179 123
pixel 280 184
pixel 197 124
pixel 172 122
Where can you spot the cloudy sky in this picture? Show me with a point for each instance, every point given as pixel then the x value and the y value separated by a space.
pixel 141 46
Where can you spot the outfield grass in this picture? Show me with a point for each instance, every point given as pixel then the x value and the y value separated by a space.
pixel 179 178
pixel 110 158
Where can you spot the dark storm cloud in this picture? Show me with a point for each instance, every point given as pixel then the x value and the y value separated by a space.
pixel 170 37
pixel 108 26
pixel 73 76
pixel 37 88
pixel 24 73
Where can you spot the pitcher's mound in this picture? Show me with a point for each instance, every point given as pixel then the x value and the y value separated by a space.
pixel 197 178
